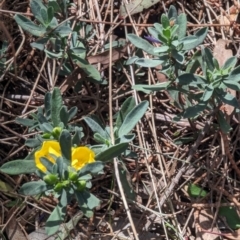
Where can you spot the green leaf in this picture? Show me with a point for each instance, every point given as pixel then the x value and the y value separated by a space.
pixel 182 22
pixel 44 15
pixel 151 88
pixel 132 60
pixel 33 142
pixel 48 164
pixel 98 138
pixel 190 79
pixel 125 180
pixel 76 140
pixel 141 43
pixel 194 62
pixel 29 26
pixel 172 12
pixel 228 99
pixel 127 106
pixel 132 118
pixel 153 32
pixel 56 106
pixel 17 167
pixel 234 75
pixel 90 70
pixel 93 168
pixel 41 118
pixel 64 115
pixel 48 104
pixel 63 31
pixel 207 93
pixel 50 14
pixel 36 7
pixel 111 152
pixel 57 216
pixel 40 43
pixel 231 215
pixel 54 55
pixel 188 40
pixel 26 122
pixel 54 5
pixel 126 138
pixel 33 188
pixel 87 200
pixel 196 191
pixel 208 58
pixel 62 165
pixel 232 84
pixel 194 111
pixel 65 141
pixel 224 125
pixel 179 57
pixel 96 126
pixel 146 62
pixel 166 34
pixel 65 229
pixel 162 49
pixel 216 64
pixel 72 113
pixel 230 63
pixel 201 35
pixel 165 21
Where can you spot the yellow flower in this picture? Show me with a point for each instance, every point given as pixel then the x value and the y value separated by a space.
pixel 80 155
pixel 48 147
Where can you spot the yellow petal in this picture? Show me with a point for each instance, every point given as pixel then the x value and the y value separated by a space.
pixel 82 156
pixel 48 147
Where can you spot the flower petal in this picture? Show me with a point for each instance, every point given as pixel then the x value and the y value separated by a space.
pixel 82 156
pixel 48 148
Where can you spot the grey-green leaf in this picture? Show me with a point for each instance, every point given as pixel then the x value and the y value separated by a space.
pixel 25 121
pixel 151 88
pixel 141 43
pixel 194 110
pixel 224 125
pixel 146 62
pixel 182 22
pixel 66 144
pixel 230 63
pixel 93 168
pixel 96 126
pixel 29 26
pixel 55 219
pixel 56 106
pixel 111 152
pixel 33 188
pixel 190 79
pixel 132 118
pixel 17 167
pixel 201 35
pixel 36 7
pixel 208 93
pixel 127 106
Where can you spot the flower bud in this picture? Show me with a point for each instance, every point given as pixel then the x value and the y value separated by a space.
pixel 58 187
pixel 81 185
pixel 73 176
pixel 56 132
pixel 46 135
pixel 65 183
pixel 50 179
